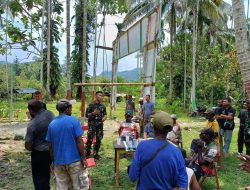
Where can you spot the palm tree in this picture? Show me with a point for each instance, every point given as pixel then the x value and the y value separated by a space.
pixel 243 53
pixel 195 30
pixel 48 47
pixel 84 41
pixel 42 41
pixel 68 50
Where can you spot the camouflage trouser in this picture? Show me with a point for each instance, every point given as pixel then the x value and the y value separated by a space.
pixel 94 130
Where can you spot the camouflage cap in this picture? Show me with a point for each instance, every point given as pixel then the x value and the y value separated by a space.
pixel 162 119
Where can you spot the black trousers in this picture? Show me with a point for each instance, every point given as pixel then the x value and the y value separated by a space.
pixel 240 140
pixel 40 164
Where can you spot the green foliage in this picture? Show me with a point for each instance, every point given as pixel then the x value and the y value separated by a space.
pixel 55 68
pixel 132 90
pixel 76 54
pixel 105 89
pixel 22 35
pixel 112 6
pixel 217 71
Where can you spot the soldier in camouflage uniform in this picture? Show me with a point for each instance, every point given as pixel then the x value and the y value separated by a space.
pixel 96 114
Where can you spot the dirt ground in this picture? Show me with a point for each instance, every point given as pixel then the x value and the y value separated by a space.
pixel 15 148
pixel 10 131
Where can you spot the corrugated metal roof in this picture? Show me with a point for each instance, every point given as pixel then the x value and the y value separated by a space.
pixel 24 90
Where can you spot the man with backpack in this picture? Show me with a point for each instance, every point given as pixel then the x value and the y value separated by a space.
pixel 156 156
pixel 225 118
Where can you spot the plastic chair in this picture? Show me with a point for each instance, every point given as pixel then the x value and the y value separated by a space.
pixel 211 171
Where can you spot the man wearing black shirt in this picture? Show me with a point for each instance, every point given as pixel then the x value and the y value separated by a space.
pixel 247 128
pixel 36 143
pixel 225 117
pixel 242 116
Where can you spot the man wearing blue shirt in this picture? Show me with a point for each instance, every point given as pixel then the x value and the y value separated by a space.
pixel 148 110
pixel 67 149
pixel 158 164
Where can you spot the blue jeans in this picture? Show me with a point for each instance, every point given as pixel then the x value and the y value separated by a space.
pixel 227 138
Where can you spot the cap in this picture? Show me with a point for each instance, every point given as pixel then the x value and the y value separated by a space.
pixel 141 99
pixel 35 105
pixel 174 116
pixel 209 111
pixel 63 104
pixel 209 132
pixel 128 113
pixel 162 119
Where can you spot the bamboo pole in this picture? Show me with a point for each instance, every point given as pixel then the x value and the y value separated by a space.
pixel 114 84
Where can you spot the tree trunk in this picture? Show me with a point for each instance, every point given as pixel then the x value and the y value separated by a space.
pixel 84 53
pixel 172 33
pixel 243 53
pixel 68 51
pixel 95 50
pixel 48 47
pixel 195 27
pixel 185 64
pixel 42 34
pixel 84 41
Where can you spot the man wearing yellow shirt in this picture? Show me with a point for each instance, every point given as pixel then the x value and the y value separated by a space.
pixel 212 123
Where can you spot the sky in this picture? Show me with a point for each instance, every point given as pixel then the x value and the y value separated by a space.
pixel 127 63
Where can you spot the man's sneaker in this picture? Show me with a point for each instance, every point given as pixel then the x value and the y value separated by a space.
pixel 97 157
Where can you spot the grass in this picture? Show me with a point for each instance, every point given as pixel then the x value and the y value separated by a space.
pixel 18 175
pixel 19 172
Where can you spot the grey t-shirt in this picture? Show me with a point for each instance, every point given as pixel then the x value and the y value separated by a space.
pixel 148 108
pixel 37 130
pixel 149 129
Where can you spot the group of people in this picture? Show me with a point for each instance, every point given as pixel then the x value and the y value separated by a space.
pixel 146 129
pixel 205 150
pixel 158 163
pixel 56 143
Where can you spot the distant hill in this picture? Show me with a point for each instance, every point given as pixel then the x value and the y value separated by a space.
pixel 130 75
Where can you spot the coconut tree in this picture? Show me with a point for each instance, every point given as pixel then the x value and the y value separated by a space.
pixel 243 53
pixel 68 50
pixel 48 46
pixel 84 42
